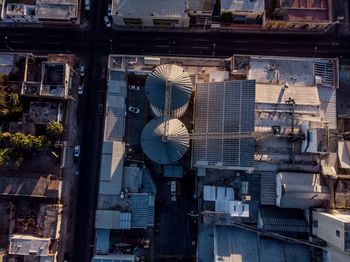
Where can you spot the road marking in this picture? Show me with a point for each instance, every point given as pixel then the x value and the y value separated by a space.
pixel 200 47
pixel 15 42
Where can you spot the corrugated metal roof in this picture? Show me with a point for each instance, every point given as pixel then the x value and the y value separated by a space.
pixel 102 241
pixel 110 219
pixel 282 220
pixel 205 247
pixel 156 8
pixel 112 163
pixel 142 210
pixel 243 5
pixel 232 244
pixel 268 188
pixel 224 107
pixel 156 82
pixel 132 178
pixel 164 152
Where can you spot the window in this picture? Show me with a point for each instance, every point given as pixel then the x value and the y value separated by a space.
pixel 337 232
pixel 165 22
pixel 133 22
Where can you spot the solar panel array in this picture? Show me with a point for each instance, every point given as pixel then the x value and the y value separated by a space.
pixel 224 107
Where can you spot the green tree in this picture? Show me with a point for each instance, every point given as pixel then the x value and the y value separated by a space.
pixel 27 143
pixel 54 129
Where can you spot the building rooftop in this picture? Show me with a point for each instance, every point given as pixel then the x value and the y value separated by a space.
pixel 235 244
pixel 306 10
pixel 224 107
pixel 29 245
pixel 31 187
pixel 142 210
pixel 112 163
pixel 111 219
pixel 57 9
pixel 285 221
pixel 115 108
pixel 200 6
pixel 156 8
pixel 243 5
pixel 205 246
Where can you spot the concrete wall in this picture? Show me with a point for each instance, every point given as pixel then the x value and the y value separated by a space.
pixel 147 21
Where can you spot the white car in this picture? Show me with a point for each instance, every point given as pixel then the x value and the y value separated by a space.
pixel 107 23
pixel 77 151
pixel 134 110
pixel 82 70
pixel 133 87
pixel 109 10
pixel 81 89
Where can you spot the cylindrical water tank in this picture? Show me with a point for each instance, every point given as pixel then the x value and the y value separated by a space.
pixel 181 89
pixel 160 150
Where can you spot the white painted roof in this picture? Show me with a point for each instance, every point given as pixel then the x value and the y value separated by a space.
pixel 276 94
pixel 156 8
pixel 26 244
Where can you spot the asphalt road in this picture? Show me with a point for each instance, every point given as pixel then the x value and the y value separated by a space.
pixel 95 42
pixel 198 44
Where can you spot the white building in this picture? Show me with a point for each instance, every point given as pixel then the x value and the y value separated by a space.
pixel 156 13
pixel 300 190
pixel 335 230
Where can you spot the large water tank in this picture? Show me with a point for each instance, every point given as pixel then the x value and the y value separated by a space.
pixel 181 90
pixel 159 149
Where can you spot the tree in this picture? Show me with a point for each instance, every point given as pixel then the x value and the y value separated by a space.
pixel 54 129
pixel 27 143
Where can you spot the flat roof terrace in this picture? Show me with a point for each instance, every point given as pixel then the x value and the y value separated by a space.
pixel 306 10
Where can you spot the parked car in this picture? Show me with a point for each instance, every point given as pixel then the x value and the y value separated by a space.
pixel 134 110
pixel 109 10
pixel 82 70
pixel 81 89
pixel 133 87
pixel 107 22
pixel 76 150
